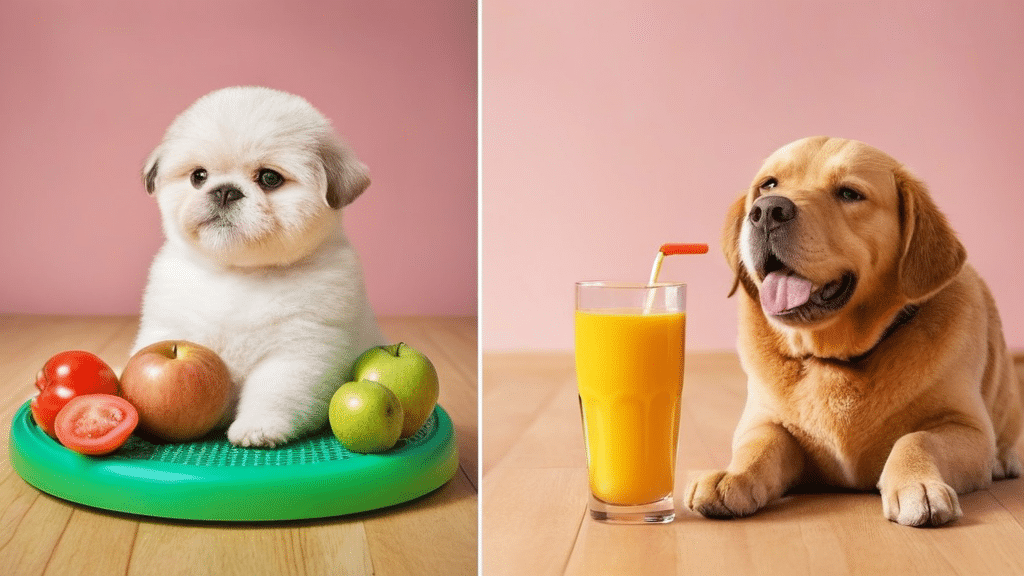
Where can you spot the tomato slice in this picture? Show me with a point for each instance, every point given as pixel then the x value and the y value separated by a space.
pixel 64 376
pixel 96 424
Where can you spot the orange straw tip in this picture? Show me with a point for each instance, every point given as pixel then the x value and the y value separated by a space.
pixel 670 249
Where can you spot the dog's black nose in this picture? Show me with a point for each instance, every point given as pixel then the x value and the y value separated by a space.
pixel 226 194
pixel 770 212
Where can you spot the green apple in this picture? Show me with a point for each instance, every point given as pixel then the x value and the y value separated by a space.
pixel 366 417
pixel 408 373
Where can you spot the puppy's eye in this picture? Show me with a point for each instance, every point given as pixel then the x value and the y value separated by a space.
pixel 269 179
pixel 198 177
pixel 847 194
pixel 768 184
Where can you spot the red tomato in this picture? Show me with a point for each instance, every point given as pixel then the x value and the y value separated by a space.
pixel 96 424
pixel 64 376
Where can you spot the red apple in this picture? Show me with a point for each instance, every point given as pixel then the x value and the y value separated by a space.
pixel 181 389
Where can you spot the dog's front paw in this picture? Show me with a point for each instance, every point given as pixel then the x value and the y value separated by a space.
pixel 930 503
pixel 1006 466
pixel 721 494
pixel 259 432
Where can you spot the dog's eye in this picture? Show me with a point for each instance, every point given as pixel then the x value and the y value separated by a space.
pixel 269 179
pixel 768 184
pixel 198 177
pixel 847 194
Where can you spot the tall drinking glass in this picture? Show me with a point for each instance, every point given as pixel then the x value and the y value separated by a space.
pixel 630 342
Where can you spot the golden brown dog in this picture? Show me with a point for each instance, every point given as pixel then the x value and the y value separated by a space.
pixel 874 354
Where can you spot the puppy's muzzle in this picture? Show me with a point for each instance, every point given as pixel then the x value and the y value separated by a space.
pixel 770 213
pixel 225 194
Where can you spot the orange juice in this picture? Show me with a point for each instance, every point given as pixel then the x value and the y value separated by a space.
pixel 629 366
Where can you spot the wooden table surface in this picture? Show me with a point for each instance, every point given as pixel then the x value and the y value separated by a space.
pixel 40 534
pixel 534 497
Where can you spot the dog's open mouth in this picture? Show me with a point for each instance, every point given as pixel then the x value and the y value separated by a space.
pixel 789 296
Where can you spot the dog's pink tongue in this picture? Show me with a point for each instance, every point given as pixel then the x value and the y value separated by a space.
pixel 783 291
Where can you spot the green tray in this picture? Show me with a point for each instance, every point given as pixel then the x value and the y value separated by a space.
pixel 210 479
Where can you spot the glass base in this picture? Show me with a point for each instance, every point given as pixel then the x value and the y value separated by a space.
pixel 658 512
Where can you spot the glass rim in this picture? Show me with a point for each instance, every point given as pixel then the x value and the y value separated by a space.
pixel 627 285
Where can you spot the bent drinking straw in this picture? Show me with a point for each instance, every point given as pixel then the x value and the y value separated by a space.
pixel 669 250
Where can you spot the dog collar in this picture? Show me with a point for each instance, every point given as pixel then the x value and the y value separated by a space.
pixel 904 316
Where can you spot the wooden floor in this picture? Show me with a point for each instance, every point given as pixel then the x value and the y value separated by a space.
pixel 40 534
pixel 535 519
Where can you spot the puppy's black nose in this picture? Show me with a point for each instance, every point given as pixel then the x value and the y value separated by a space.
pixel 770 212
pixel 225 194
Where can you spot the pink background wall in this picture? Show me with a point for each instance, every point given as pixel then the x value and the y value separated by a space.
pixel 87 89
pixel 612 127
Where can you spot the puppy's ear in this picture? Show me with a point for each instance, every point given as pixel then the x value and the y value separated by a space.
pixel 347 177
pixel 731 242
pixel 149 171
pixel 932 254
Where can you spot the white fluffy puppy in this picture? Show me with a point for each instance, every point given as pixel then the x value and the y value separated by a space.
pixel 251 183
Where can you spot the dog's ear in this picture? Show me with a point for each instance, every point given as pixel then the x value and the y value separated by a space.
pixel 149 171
pixel 932 254
pixel 731 241
pixel 347 177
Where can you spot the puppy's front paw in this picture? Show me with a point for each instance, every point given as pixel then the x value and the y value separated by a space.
pixel 931 503
pixel 721 494
pixel 1006 466
pixel 259 432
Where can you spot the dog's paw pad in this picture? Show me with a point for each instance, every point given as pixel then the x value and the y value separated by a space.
pixel 928 503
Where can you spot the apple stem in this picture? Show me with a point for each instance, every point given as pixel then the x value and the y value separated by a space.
pixel 174 350
pixel 398 349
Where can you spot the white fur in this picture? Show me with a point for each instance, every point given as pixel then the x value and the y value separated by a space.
pixel 271 284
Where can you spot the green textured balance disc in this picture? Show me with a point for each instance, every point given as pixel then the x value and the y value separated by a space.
pixel 210 479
